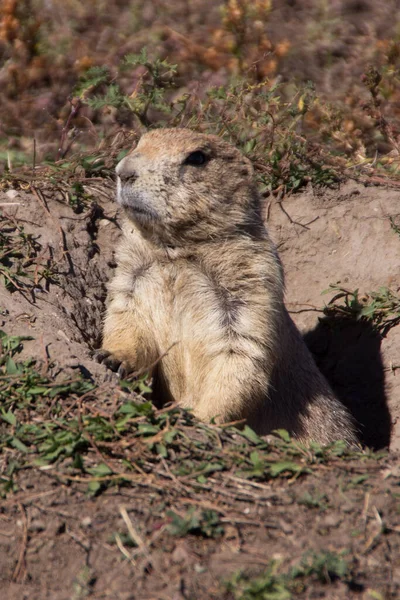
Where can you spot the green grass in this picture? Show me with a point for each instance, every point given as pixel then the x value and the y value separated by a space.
pixel 277 584
pixel 381 308
pixel 204 523
pixel 24 263
pixel 68 425
pixel 394 224
pixel 267 130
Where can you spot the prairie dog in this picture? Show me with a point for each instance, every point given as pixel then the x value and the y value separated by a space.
pixel 200 284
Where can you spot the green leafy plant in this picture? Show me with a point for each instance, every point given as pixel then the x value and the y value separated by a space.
pixel 205 523
pixel 381 308
pixel 255 117
pixel 267 128
pixel 108 448
pixel 324 565
pixel 274 584
pixel 158 78
pixel 270 585
pixel 316 500
pixel 18 252
pixel 395 225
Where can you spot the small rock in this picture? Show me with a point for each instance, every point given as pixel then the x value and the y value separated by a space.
pixel 86 522
pixel 285 526
pixel 37 525
pixel 12 194
pixel 72 363
pixel 62 335
pixel 332 520
pixel 180 554
pixel 199 568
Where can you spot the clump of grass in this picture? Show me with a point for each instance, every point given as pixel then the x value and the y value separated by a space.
pixel 380 308
pixel 254 117
pixel 149 94
pixel 23 264
pixel 106 447
pixel 268 129
pixel 325 566
pixel 394 224
pixel 316 500
pixel 204 523
pixel 269 585
pixel 273 584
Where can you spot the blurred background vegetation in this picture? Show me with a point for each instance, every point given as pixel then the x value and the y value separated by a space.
pixel 306 88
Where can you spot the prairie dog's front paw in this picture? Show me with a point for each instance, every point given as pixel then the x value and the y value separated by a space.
pixel 108 359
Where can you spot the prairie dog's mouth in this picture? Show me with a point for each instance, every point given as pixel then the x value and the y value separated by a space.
pixel 134 201
pixel 140 214
pixel 135 205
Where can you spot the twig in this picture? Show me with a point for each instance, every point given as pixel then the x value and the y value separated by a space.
pixel 45 367
pixel 171 475
pixel 302 310
pixel 138 480
pixel 291 220
pixel 63 240
pixel 132 531
pixel 98 452
pixel 85 544
pixel 18 287
pixel 122 549
pixel 76 104
pixel 20 573
pixel 34 158
pixel 38 265
pixel 28 498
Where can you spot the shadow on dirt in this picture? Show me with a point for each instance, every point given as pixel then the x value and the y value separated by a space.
pixel 348 354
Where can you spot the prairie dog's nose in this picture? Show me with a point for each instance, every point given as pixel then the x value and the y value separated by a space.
pixel 125 169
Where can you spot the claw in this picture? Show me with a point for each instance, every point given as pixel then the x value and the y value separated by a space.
pixel 123 370
pixel 101 355
pixel 106 358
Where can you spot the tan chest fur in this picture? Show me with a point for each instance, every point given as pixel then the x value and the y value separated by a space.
pixel 200 312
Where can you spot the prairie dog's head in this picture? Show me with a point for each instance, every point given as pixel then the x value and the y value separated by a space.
pixel 180 185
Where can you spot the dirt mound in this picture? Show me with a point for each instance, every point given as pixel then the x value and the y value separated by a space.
pixel 343 238
pixel 180 523
pixel 62 311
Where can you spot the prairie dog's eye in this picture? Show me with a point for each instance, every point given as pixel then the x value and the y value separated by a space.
pixel 196 158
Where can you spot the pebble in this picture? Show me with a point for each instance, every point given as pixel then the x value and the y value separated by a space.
pixel 86 521
pixel 12 194
pixel 37 525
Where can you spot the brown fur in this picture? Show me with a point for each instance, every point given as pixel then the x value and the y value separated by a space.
pixel 199 279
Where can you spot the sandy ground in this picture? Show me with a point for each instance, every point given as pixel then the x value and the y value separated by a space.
pixel 56 543
pixel 325 237
pixel 349 242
